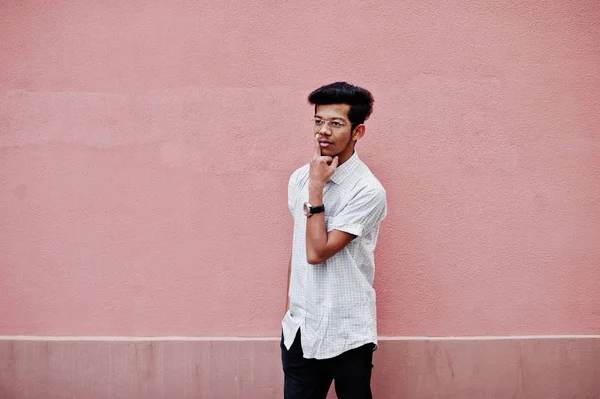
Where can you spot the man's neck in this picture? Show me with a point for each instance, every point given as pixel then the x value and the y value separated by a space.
pixel 343 158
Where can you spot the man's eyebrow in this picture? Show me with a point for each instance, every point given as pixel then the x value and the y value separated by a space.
pixel 336 118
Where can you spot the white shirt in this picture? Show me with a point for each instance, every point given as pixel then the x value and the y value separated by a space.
pixel 333 303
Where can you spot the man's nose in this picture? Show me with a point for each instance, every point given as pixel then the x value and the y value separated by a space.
pixel 325 129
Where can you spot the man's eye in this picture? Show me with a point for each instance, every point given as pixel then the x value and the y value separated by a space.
pixel 337 124
pixel 318 122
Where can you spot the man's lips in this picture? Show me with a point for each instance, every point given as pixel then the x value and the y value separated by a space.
pixel 325 143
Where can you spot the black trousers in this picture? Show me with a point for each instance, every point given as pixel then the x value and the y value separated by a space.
pixel 311 378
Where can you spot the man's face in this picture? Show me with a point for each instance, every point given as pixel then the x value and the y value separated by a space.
pixel 334 128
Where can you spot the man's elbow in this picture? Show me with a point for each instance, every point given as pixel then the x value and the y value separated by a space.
pixel 314 258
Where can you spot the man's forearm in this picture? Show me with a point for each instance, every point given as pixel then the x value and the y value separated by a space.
pixel 287 292
pixel 316 234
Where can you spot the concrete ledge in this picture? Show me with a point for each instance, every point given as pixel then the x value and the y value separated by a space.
pixel 147 368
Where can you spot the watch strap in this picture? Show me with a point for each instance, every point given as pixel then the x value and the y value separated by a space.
pixel 317 209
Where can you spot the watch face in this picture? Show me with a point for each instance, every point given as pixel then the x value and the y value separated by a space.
pixel 307 209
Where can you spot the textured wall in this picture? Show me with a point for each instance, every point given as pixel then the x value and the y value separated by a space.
pixel 145 149
pixel 248 369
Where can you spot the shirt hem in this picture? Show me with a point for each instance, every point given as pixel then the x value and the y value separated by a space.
pixel 357 345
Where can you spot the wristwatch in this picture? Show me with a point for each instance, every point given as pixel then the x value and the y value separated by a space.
pixel 310 210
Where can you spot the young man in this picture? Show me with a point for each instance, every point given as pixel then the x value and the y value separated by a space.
pixel 330 328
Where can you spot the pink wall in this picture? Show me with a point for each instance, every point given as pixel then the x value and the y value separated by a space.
pixel 145 149
pixel 251 369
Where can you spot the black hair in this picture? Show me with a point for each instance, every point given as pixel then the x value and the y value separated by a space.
pixel 359 99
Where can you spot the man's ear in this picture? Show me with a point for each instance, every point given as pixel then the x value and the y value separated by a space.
pixel 359 131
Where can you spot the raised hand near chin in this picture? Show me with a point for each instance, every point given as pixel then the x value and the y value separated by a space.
pixel 321 167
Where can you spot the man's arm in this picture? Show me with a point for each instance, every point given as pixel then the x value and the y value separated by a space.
pixel 321 245
pixel 287 292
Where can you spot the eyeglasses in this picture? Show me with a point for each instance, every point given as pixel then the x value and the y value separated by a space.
pixel 333 124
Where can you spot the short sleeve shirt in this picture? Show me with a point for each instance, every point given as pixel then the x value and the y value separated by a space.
pixel 333 303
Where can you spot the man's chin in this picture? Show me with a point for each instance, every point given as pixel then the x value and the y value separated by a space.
pixel 329 152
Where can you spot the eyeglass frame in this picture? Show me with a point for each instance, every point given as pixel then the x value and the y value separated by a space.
pixel 329 121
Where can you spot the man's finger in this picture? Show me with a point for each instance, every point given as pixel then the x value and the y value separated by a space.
pixel 317 145
pixel 335 162
pixel 326 159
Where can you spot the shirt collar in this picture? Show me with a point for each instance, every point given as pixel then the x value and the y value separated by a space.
pixel 345 169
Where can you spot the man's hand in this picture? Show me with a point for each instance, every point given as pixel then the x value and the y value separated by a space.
pixel 321 167
pixel 321 245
